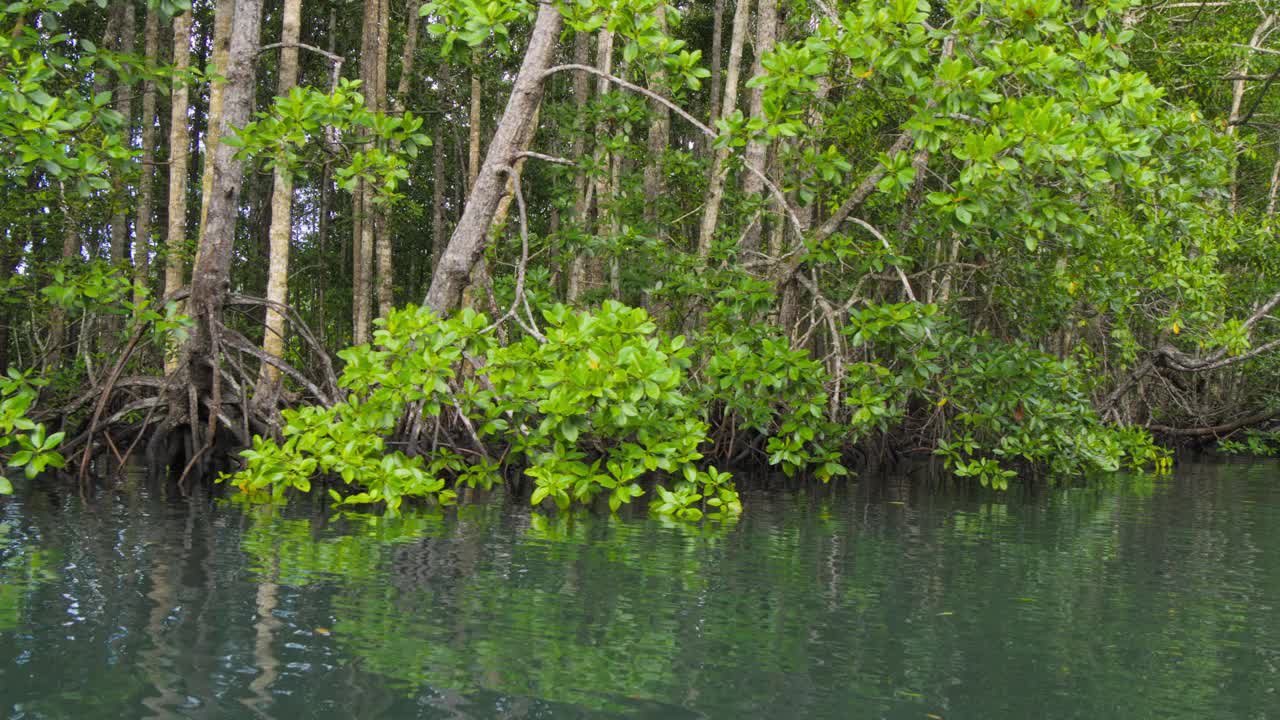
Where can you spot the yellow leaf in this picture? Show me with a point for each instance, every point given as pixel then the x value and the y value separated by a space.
pixel 1071 287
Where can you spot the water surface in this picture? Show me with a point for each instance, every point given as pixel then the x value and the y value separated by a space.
pixel 882 598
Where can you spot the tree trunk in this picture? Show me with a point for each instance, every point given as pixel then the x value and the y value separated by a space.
pixel 382 238
pixel 179 159
pixel 757 150
pixel 437 199
pixel 512 133
pixel 581 91
pixel 1237 99
pixel 715 186
pixel 659 138
pixel 223 18
pixel 407 54
pixel 479 281
pixel 717 59
pixel 603 159
pixel 124 105
pixel 281 213
pixel 146 181
pixel 473 144
pixel 211 278
pixel 363 226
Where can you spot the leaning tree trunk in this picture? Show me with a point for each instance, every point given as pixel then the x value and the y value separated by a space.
pixel 211 277
pixel 715 185
pixel 513 131
pixel 281 216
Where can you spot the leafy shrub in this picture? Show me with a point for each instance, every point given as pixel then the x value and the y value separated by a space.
pixel 36 449
pixel 588 411
pixel 997 404
pixel 754 381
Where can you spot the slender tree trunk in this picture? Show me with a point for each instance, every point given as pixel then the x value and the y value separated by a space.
pixel 479 282
pixel 382 238
pixel 179 160
pixel 473 144
pixel 281 213
pixel 326 210
pixel 146 181
pixel 594 270
pixel 757 150
pixel 124 105
pixel 211 277
pixel 1273 191
pixel 659 138
pixel 437 199
pixel 364 224
pixel 223 18
pixel 715 186
pixel 514 130
pixel 717 59
pixel 407 54
pixel 581 91
pixel 1237 98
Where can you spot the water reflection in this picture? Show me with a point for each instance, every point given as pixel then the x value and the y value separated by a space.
pixel 886 599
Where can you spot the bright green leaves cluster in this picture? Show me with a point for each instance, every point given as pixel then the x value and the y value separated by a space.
pixel 299 128
pixel 36 449
pixel 755 383
pixel 406 373
pixel 593 411
pixel 474 22
pixel 50 120
pixel 599 406
pixel 995 406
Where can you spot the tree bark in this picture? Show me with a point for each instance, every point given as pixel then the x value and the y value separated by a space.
pixel 223 18
pixel 146 181
pixel 124 105
pixel 473 144
pixel 659 138
pixel 717 60
pixel 372 63
pixel 407 54
pixel 514 129
pixel 757 150
pixel 382 238
pixel 715 185
pixel 281 213
pixel 594 273
pixel 437 199
pixel 581 91
pixel 211 278
pixel 1237 98
pixel 179 159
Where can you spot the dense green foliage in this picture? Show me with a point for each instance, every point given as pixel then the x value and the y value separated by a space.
pixel 1018 236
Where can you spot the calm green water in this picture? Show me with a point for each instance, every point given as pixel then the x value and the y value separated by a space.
pixel 1140 600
